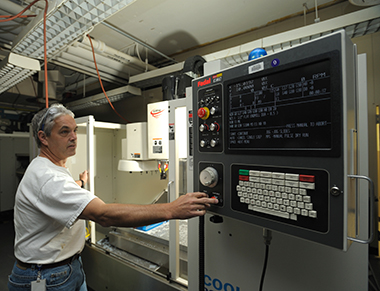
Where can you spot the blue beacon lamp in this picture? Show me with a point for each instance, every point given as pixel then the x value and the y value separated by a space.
pixel 257 53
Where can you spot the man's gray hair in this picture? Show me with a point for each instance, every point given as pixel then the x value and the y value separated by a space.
pixel 44 119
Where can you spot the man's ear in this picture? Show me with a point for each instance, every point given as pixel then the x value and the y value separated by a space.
pixel 42 136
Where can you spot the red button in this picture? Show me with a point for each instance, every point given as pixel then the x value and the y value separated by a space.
pixel 203 112
pixel 243 178
pixel 307 178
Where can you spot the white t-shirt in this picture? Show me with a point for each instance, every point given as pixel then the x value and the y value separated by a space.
pixel 48 203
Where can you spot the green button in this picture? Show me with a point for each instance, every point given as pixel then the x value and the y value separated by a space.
pixel 243 172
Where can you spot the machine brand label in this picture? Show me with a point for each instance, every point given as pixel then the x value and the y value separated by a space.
pixel 156 113
pixel 204 82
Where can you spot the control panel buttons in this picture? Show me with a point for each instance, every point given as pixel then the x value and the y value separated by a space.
pixel 209 177
pixel 203 143
pixel 203 113
pixel 214 126
pixel 213 110
pixel 203 127
pixel 214 142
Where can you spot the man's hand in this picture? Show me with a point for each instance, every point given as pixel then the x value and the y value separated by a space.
pixel 83 177
pixel 191 205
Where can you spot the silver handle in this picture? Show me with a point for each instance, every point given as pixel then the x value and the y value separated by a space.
pixel 371 209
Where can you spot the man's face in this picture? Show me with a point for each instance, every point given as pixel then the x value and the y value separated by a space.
pixel 62 142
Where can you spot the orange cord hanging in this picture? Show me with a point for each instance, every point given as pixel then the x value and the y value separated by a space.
pixel 101 83
pixel 19 15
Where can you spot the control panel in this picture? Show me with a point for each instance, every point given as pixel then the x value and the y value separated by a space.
pixel 273 140
pixel 209 112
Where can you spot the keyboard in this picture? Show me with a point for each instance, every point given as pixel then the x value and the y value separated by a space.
pixel 297 195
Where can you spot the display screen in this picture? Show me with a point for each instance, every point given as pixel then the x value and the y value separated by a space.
pixel 289 109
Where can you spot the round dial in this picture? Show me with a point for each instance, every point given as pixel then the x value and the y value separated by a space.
pixel 209 177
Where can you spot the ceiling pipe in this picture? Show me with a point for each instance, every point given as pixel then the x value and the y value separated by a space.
pixel 73 65
pixel 102 60
pixel 102 49
pixel 138 41
pixel 83 63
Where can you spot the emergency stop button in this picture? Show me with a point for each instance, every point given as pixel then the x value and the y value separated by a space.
pixel 203 113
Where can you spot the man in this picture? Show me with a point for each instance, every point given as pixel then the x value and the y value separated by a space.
pixel 51 207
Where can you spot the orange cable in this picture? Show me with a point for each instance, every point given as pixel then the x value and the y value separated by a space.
pixel 10 16
pixel 45 58
pixel 45 55
pixel 19 14
pixel 100 80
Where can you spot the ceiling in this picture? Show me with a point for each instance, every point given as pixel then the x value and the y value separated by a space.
pixel 153 31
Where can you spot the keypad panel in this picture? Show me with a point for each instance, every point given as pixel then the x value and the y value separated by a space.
pixel 291 195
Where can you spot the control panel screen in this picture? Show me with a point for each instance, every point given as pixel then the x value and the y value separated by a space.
pixel 289 109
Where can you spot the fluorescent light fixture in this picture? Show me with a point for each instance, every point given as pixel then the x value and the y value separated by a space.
pixel 100 99
pixel 66 21
pixel 14 69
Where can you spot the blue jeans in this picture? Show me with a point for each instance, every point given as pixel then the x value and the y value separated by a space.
pixel 63 278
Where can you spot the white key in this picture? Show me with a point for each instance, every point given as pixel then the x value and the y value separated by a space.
pixel 269 205
pixel 305 185
pixel 301 205
pixel 265 180
pixel 289 209
pixel 295 190
pixel 293 203
pixel 293 177
pixel 283 208
pixel 294 184
pixel 278 182
pixel 242 199
pixel 241 183
pixel 286 202
pixel 291 196
pixel 278 194
pixel 272 212
pixel 303 191
pixel 313 214
pixel 273 199
pixel 278 175
pixel 266 174
pixel 288 189
pixel 263 204
pixel 297 211
pixel 299 198
pixel 238 188
pixel 284 195
pixel 247 200
pixel 276 206
pixel 306 199
pixel 304 212
pixel 293 216
pixel 254 179
pixel 309 206
pixel 254 173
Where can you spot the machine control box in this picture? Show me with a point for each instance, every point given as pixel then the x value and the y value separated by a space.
pixel 273 137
